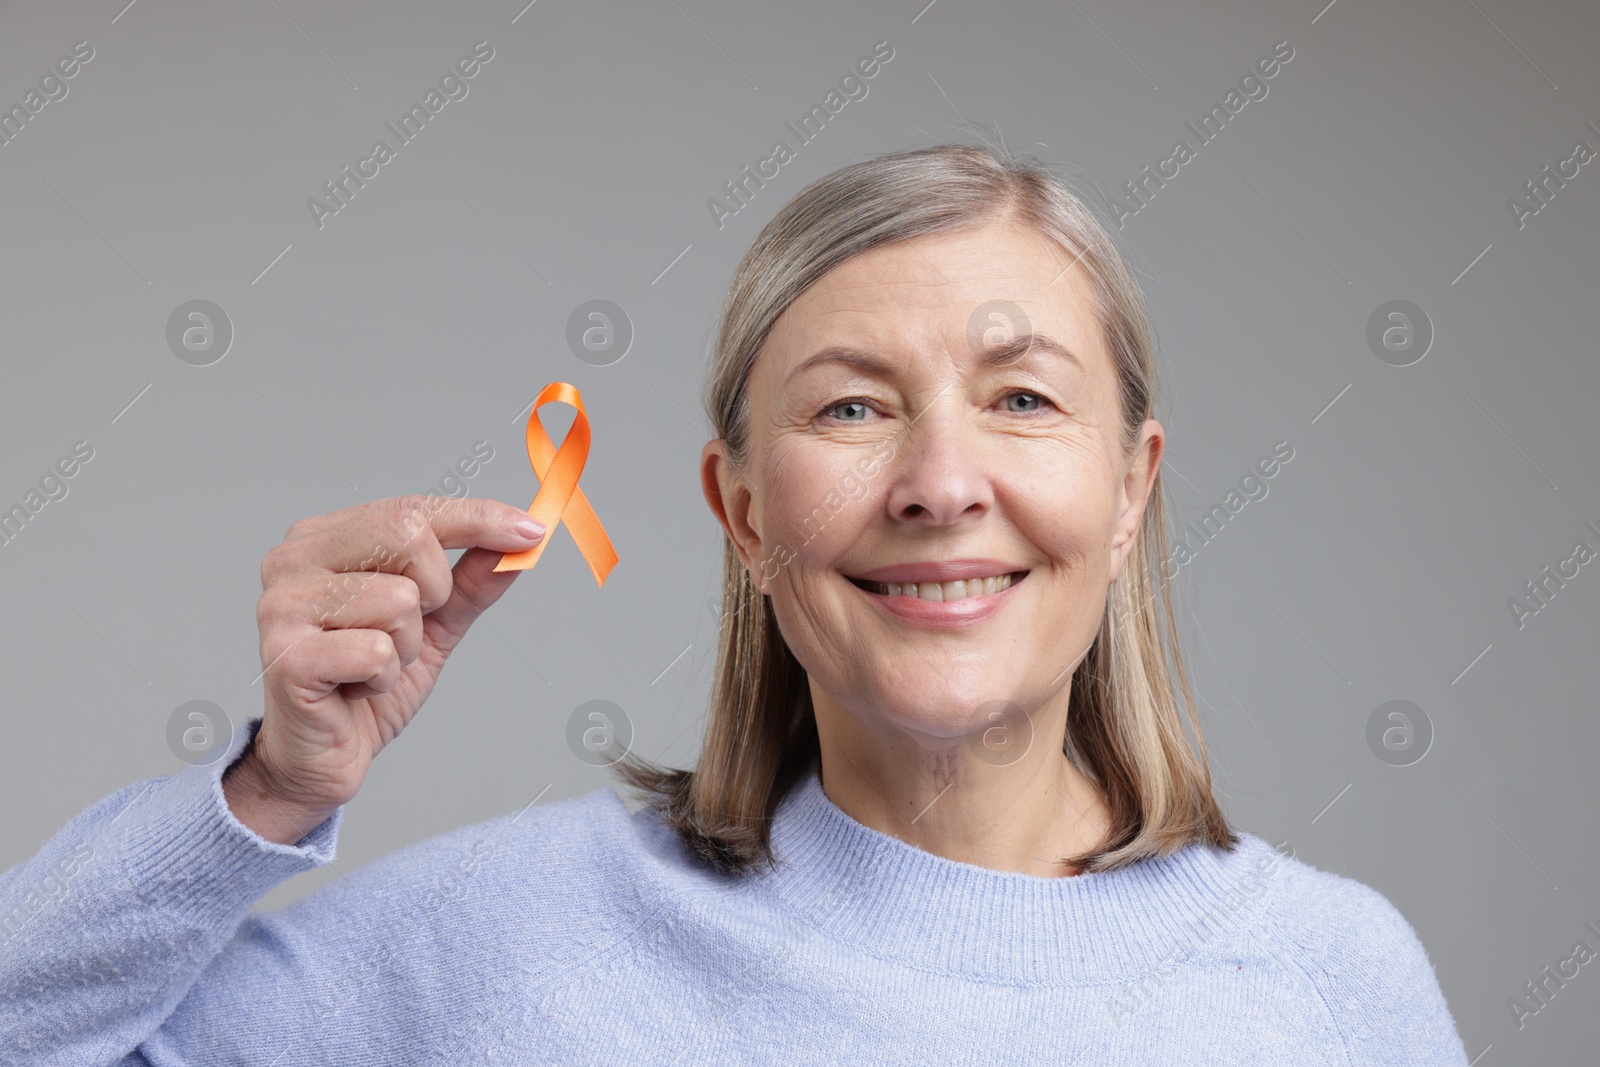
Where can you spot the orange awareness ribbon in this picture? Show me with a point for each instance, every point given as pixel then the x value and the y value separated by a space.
pixel 559 499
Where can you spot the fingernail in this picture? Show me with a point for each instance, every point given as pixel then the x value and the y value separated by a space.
pixel 529 529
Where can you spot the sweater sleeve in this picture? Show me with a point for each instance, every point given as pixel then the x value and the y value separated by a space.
pixel 106 929
pixel 1373 975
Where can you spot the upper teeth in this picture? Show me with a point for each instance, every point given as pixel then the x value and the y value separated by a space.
pixel 944 590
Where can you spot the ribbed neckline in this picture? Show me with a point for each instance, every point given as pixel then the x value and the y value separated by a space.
pixel 895 901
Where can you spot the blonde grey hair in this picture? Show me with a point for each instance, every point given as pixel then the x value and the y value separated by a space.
pixel 1125 729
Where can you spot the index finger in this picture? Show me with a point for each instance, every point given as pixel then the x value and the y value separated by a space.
pixel 420 507
pixel 470 522
pixel 401 535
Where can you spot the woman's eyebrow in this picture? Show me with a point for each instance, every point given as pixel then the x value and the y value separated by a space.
pixel 1025 344
pixel 1001 355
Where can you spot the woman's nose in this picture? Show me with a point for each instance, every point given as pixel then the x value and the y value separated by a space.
pixel 940 475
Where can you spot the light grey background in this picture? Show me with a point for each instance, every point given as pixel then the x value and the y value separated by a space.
pixel 421 318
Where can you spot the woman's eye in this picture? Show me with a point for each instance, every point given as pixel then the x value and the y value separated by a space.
pixel 1035 398
pixel 846 404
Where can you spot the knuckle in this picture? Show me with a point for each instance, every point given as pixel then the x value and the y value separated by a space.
pixel 410 594
pixel 331 598
pixel 411 504
pixel 490 512
pixel 429 605
pixel 266 610
pixel 382 555
pixel 436 505
pixel 281 659
pixel 274 563
pixel 405 518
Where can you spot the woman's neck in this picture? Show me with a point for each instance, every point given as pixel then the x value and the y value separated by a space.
pixel 1026 816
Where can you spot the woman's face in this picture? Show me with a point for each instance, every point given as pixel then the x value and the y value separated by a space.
pixel 905 448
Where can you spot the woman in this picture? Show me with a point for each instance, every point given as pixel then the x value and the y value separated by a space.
pixel 945 809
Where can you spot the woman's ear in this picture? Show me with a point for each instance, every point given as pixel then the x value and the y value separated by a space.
pixel 1133 494
pixel 730 500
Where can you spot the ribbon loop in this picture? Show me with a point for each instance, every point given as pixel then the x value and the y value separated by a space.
pixel 559 499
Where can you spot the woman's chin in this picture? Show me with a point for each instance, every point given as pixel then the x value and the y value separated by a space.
pixel 933 715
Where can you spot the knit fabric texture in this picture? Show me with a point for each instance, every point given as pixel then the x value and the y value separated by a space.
pixel 574 932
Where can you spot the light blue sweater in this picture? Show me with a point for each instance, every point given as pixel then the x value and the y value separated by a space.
pixel 575 933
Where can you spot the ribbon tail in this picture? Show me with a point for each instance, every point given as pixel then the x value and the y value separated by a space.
pixel 590 536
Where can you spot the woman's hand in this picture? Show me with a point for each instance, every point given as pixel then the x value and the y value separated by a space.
pixel 358 612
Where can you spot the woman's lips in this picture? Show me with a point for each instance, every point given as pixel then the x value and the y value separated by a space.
pixel 961 612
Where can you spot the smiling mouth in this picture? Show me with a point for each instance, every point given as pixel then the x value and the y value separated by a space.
pixel 943 591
